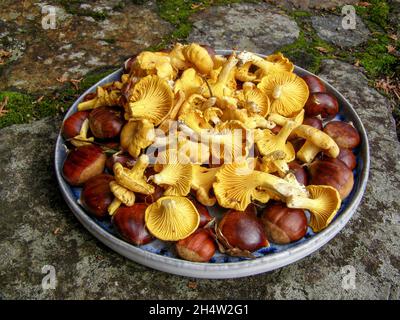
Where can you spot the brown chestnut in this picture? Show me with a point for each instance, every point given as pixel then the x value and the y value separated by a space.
pixel 83 163
pixel 314 84
pixel 105 122
pixel 96 195
pixel 344 134
pixel 313 122
pixel 347 157
pixel 283 225
pixel 324 104
pixel 334 173
pixel 205 216
pixel 299 172
pixel 73 124
pixel 242 230
pixel 125 159
pixel 198 247
pixel 276 129
pixel 129 221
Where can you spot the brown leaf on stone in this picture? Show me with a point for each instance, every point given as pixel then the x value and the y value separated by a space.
pixel 363 4
pixel 357 63
pixel 57 231
pixel 393 37
pixel 4 55
pixel 3 105
pixel 192 284
pixel 390 86
pixel 391 49
pixel 322 49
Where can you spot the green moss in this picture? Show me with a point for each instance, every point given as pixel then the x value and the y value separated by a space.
pixel 308 50
pixel 23 108
pixel 376 15
pixel 74 7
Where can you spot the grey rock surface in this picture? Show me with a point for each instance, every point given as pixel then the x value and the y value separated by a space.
pixel 38 229
pixel 254 27
pixel 329 28
pixel 78 44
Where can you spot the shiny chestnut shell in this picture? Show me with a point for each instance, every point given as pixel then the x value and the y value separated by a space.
pixel 200 246
pixel 83 163
pixel 324 104
pixel 344 134
pixel 96 195
pixel 243 230
pixel 73 124
pixel 105 122
pixel 299 172
pixel 347 157
pixel 313 122
pixel 130 223
pixel 125 159
pixel 283 225
pixel 314 84
pixel 205 216
pixel 332 172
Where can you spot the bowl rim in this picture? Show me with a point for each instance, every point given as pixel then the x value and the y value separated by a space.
pixel 238 269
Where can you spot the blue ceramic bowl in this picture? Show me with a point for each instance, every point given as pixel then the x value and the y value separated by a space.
pixel 161 255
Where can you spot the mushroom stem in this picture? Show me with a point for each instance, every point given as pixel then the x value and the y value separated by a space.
pixel 114 205
pixel 277 92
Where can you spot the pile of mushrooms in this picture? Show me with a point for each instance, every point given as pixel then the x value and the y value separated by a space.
pixel 187 129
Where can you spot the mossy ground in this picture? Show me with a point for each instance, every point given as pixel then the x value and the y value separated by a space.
pixel 307 51
pixel 23 108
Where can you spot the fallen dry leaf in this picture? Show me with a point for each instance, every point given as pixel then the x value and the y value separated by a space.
pixel 192 284
pixel 3 105
pixel 363 4
pixel 322 49
pixel 391 49
pixel 4 55
pixel 389 86
pixel 76 82
pixel 393 37
pixel 357 63
pixel 57 231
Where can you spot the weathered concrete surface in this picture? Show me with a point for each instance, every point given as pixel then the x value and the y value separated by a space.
pixel 252 27
pixel 77 45
pixel 329 28
pixel 31 210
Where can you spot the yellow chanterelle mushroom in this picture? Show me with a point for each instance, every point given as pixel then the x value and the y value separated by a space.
pixel 287 91
pixel 151 98
pixel 137 135
pixel 172 218
pixel 323 203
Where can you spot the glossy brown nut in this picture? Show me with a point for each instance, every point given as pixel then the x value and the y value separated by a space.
pixel 205 216
pixel 243 230
pixel 332 172
pixel 323 104
pixel 150 198
pixel 83 163
pixel 130 223
pixel 276 129
pixel 313 122
pixel 96 195
pixel 198 247
pixel 347 157
pixel 297 143
pixel 299 172
pixel 125 159
pixel 314 84
pixel 344 134
pixel 73 124
pixel 105 122
pixel 283 225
